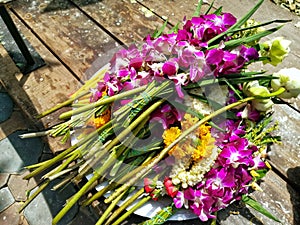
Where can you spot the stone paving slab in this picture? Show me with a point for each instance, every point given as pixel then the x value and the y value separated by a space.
pixel 19 187
pixel 17 153
pixel 3 179
pixel 6 106
pixel 46 205
pixel 16 122
pixel 11 215
pixel 6 198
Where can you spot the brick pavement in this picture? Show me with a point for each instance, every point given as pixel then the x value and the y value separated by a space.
pixel 15 153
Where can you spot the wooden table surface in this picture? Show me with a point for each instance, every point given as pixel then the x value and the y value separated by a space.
pixel 76 37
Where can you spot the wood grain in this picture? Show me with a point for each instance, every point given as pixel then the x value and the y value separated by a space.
pixel 70 35
pixel 42 88
pixel 129 22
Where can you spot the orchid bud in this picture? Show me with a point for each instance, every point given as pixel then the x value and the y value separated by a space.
pixel 289 78
pixel 276 50
pixel 254 89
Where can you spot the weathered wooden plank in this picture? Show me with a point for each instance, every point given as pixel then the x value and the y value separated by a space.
pixel 278 198
pixel 174 10
pixel 72 36
pixel 128 21
pixel 286 156
pixel 42 88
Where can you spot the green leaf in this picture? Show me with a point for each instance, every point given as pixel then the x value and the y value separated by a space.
pixel 258 207
pixel 239 23
pixel 232 79
pixel 210 7
pixel 237 92
pixel 159 32
pixel 218 11
pixel 198 9
pixel 174 29
pixel 262 173
pixel 260 25
pixel 237 42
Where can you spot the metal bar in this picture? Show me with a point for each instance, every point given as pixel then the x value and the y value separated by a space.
pixel 16 35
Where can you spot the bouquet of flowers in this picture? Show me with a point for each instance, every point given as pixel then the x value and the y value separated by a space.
pixel 180 116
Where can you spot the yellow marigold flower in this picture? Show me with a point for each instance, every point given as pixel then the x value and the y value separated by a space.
pixel 169 136
pixel 204 131
pixel 182 150
pixel 206 145
pixel 200 152
pixel 99 121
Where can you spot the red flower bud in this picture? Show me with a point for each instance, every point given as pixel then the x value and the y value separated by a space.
pixel 148 185
pixel 170 188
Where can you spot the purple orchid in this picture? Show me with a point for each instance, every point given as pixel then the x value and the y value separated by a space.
pixel 170 67
pixel 113 84
pixel 218 180
pixel 166 115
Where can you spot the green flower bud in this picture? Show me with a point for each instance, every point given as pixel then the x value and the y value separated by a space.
pixel 276 50
pixel 289 78
pixel 254 89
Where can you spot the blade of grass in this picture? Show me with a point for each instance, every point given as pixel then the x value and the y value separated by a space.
pixel 209 8
pixel 258 207
pixel 237 42
pixel 238 24
pixel 198 8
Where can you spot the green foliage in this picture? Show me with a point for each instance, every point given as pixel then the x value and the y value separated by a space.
pixel 160 31
pixel 258 207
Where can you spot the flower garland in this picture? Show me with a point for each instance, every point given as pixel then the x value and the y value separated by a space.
pixel 203 145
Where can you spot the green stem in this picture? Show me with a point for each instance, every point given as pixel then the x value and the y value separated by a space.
pixel 103 101
pixel 56 173
pixel 66 181
pixel 84 90
pixel 39 190
pixel 114 184
pixel 61 105
pixel 75 198
pixel 99 171
pixel 124 206
pixel 99 194
pixel 134 208
pixel 35 134
pixel 92 82
pixel 61 156
pixel 141 119
pixel 33 166
pixel 109 209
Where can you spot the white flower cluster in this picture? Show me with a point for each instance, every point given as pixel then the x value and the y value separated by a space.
pixel 188 173
pixel 197 105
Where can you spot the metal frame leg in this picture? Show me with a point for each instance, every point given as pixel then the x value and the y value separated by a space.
pixel 16 35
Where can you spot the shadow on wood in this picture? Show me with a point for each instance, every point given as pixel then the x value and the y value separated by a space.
pixel 294 175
